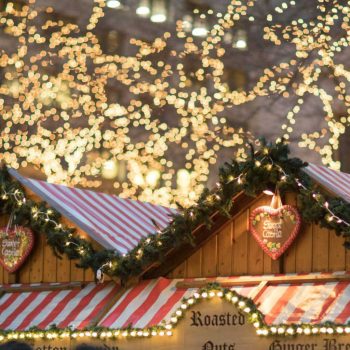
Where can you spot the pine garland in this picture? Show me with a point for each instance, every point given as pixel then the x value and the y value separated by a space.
pixel 266 167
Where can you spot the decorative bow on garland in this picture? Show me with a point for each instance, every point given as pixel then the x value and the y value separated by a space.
pixel 267 166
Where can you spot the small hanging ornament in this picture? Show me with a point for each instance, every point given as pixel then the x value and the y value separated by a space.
pixel 275 227
pixel 99 276
pixel 16 244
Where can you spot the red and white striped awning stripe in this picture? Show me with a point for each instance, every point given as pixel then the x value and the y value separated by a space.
pixel 152 302
pixel 67 307
pixel 116 223
pixel 335 181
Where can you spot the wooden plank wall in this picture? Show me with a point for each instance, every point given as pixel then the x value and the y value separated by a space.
pixel 232 250
pixel 42 265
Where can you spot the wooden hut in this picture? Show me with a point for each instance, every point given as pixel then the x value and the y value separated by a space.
pixel 226 291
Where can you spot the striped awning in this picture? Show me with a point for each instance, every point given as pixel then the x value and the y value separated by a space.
pixel 116 223
pixel 76 307
pixel 153 302
pixel 335 181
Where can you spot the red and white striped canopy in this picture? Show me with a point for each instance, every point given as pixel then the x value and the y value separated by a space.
pixel 116 223
pixel 63 307
pixel 154 301
pixel 335 181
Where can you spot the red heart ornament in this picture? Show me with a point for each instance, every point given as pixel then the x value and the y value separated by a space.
pixel 274 229
pixel 15 246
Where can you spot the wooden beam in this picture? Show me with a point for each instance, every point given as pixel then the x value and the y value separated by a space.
pixel 103 312
pixel 272 280
pixel 202 234
pixel 40 287
pixel 255 294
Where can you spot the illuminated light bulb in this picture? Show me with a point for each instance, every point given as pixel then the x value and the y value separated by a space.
pixel 280 330
pixel 125 334
pixel 299 330
pixel 241 44
pixel 211 294
pixel 220 294
pixel 178 312
pixel 139 333
pixel 143 8
pixel 183 306
pixel 187 21
pixel 268 192
pixel 113 4
pixel 290 330
pixel 340 330
pixel 161 333
pixel 154 333
pixel 314 330
pixel 330 330
pixel 133 333
pixel 168 326
pixel 199 29
pixel 159 12
pixel 204 295
pixel 196 295
pixel 173 319
pixel 256 324
pixel 169 333
pixel 183 179
pixel 240 40
pixel 246 310
pixel 116 333
pixel 234 299
pixel 241 304
pixel 145 334
pixel 152 178
pixel 109 169
pixel 190 301
pixel 307 331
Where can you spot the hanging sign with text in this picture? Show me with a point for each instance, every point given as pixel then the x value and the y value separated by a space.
pixel 15 244
pixel 275 228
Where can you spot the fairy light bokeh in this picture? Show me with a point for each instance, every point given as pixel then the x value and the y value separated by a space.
pixel 62 122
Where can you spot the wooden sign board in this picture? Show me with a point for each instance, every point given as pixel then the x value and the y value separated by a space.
pixel 213 325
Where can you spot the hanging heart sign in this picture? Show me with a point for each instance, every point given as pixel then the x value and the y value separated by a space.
pixel 15 244
pixel 275 228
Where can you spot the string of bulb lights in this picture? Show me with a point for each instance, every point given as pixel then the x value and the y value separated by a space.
pixel 64 124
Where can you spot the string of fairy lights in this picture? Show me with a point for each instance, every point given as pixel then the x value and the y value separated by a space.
pixel 65 124
pixel 210 292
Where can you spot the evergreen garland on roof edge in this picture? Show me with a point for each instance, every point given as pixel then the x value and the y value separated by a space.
pixel 267 165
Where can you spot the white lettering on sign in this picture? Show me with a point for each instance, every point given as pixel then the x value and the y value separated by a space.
pixel 11 247
pixel 272 229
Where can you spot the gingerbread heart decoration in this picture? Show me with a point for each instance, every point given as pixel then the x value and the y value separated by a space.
pixel 15 244
pixel 275 228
